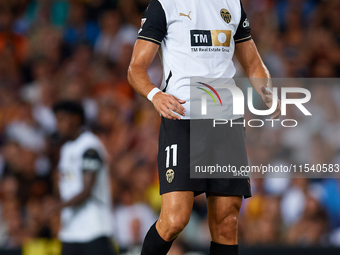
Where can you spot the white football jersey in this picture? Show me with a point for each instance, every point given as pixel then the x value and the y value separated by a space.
pixel 92 219
pixel 197 39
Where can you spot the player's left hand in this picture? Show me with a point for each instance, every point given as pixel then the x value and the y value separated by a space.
pixel 267 97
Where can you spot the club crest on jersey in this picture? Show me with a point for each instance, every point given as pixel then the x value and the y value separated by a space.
pixel 226 16
pixel 170 175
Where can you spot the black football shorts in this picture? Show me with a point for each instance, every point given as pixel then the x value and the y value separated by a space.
pixel 178 149
pixel 99 246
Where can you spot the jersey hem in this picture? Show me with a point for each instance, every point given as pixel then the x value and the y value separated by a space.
pixel 70 238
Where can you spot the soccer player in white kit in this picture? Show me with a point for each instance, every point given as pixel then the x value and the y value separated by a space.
pixel 83 186
pixel 195 38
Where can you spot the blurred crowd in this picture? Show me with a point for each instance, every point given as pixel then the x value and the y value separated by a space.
pixel 80 50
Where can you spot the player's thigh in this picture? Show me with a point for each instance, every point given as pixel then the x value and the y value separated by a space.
pixel 176 207
pixel 174 157
pixel 99 246
pixel 222 209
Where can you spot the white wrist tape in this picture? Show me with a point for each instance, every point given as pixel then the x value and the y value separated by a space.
pixel 152 93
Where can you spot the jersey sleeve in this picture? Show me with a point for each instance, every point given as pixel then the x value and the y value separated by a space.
pixel 153 25
pixel 243 30
pixel 91 161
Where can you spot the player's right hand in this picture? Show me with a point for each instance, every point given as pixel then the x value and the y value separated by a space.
pixel 267 97
pixel 164 102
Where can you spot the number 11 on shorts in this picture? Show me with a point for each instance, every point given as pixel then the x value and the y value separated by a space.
pixel 174 155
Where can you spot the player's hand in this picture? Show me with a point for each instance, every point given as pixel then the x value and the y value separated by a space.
pixel 267 97
pixel 164 102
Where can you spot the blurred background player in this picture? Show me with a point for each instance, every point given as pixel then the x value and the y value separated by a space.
pixel 83 185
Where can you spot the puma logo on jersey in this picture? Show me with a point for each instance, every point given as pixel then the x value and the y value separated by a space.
pixel 185 15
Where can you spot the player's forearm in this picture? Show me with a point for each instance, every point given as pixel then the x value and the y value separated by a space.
pixel 139 79
pixel 252 63
pixel 259 76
